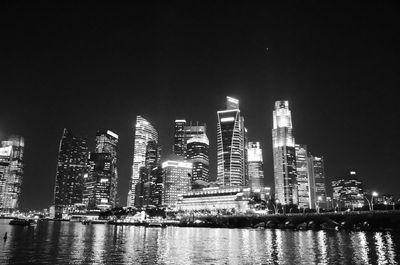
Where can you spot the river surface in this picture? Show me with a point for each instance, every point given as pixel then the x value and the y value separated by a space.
pixel 74 243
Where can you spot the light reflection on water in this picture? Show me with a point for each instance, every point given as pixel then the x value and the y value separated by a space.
pixel 74 243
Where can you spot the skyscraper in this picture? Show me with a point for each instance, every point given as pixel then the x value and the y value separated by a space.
pixel 197 154
pixel 230 145
pixel 11 172
pixel 303 181
pixel 317 182
pixel 71 169
pixel 179 138
pixel 176 180
pixel 284 154
pixel 255 165
pixel 348 192
pixel 144 132
pixel 101 181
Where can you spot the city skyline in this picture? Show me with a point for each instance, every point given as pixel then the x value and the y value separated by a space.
pixel 101 70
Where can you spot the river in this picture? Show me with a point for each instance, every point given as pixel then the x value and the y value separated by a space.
pixel 73 243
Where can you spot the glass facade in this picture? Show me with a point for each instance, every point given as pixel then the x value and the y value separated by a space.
pixel 197 154
pixel 176 180
pixel 285 175
pixel 71 169
pixel 231 169
pixel 255 165
pixel 179 138
pixel 348 192
pixel 11 172
pixel 144 132
pixel 304 187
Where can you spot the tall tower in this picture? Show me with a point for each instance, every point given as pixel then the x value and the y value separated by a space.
pixel 176 180
pixel 71 169
pixel 197 153
pixel 317 181
pixel 255 165
pixel 284 154
pixel 179 138
pixel 231 145
pixel 11 172
pixel 101 182
pixel 303 180
pixel 144 132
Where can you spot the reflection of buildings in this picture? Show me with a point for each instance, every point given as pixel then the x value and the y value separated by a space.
pixel 176 180
pixel 348 192
pixel 101 182
pixel 284 154
pixel 11 172
pixel 303 182
pixel 231 145
pixel 71 168
pixel 144 132
pixel 317 182
pixel 255 165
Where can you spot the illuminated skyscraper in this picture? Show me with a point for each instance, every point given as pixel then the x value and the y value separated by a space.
pixel 317 182
pixel 71 169
pixel 231 145
pixel 195 130
pixel 176 180
pixel 348 192
pixel 284 154
pixel 179 138
pixel 303 181
pixel 101 181
pixel 197 154
pixel 11 172
pixel 255 165
pixel 144 132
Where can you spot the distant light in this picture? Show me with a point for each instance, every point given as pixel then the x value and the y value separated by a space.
pixel 228 119
pixel 112 134
pixel 352 172
pixel 375 194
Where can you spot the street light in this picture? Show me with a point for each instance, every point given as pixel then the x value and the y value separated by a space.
pixel 374 194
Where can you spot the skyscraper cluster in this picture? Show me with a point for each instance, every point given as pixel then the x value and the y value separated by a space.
pixel 84 178
pixel 299 176
pixel 11 172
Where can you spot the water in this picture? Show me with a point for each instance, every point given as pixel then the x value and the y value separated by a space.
pixel 74 243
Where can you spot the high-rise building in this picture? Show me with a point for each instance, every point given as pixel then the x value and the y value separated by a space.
pixel 11 172
pixel 195 130
pixel 101 181
pixel 197 154
pixel 255 165
pixel 348 192
pixel 176 180
pixel 144 132
pixel 179 138
pixel 71 169
pixel 317 182
pixel 231 169
pixel 284 154
pixel 303 182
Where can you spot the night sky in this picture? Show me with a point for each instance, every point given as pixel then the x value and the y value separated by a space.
pixel 98 66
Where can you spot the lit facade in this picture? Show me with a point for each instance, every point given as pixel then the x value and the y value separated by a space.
pixel 11 172
pixel 231 168
pixel 179 138
pixel 304 187
pixel 144 132
pixel 284 154
pixel 255 165
pixel 348 192
pixel 71 169
pixel 197 154
pixel 317 182
pixel 176 181
pixel 101 181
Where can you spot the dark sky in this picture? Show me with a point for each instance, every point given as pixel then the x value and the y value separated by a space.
pixel 97 66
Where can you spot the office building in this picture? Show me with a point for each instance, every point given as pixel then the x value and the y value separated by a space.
pixel 144 132
pixel 317 182
pixel 71 169
pixel 348 192
pixel 255 165
pixel 101 181
pixel 284 154
pixel 176 181
pixel 11 172
pixel 179 138
pixel 231 168
pixel 197 154
pixel 303 181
